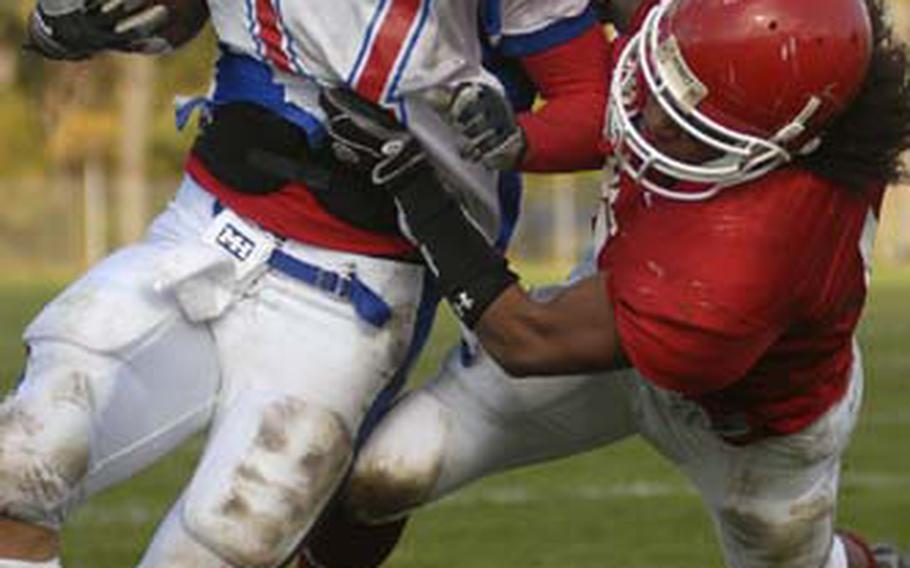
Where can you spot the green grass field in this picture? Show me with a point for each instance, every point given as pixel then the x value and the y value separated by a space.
pixel 620 506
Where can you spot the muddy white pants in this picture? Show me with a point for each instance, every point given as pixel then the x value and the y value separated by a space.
pixel 773 502
pixel 173 335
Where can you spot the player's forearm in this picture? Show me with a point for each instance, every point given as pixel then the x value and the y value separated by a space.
pixel 572 332
pixel 564 134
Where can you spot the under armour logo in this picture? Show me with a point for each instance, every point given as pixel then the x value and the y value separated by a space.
pixel 463 303
pixel 235 242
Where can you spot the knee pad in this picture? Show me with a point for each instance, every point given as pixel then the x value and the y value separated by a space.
pixel 173 547
pixel 401 462
pixel 45 432
pixel 271 467
pixel 782 535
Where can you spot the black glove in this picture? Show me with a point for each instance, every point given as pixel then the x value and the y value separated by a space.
pixel 369 139
pixel 470 272
pixel 125 25
pixel 485 119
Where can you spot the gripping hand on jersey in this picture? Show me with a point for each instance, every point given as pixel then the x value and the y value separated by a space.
pixel 485 119
pixel 77 29
pixel 470 273
pixel 369 139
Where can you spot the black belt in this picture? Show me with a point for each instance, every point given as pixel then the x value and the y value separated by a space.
pixel 254 151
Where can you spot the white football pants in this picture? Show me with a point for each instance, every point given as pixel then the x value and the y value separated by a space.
pixel 773 502
pixel 170 336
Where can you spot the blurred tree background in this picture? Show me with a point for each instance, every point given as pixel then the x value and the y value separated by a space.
pixel 89 151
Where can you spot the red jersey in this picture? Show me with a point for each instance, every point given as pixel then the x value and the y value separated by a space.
pixel 745 303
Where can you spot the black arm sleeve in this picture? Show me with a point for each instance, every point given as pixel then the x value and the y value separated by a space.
pixel 471 273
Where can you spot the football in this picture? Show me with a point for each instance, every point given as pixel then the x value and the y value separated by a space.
pixel 161 25
pixel 185 19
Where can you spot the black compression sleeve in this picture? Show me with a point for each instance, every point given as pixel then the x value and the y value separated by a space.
pixel 471 273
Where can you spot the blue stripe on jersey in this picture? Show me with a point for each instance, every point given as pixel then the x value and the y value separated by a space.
pixel 426 314
pixel 367 40
pixel 550 36
pixel 240 78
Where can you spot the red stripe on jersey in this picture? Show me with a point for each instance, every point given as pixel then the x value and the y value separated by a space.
pixel 271 35
pixel 386 48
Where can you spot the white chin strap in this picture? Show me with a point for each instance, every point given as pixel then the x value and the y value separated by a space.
pixel 671 83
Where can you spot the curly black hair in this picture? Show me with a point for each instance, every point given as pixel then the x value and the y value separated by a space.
pixel 618 13
pixel 864 145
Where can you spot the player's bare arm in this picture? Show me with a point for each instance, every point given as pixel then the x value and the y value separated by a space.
pixel 572 332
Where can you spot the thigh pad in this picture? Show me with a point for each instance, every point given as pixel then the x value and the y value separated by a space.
pixel 271 467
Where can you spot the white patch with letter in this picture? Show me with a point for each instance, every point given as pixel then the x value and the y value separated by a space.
pixel 208 275
pixel 248 246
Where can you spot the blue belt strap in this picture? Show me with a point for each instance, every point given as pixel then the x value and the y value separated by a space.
pixel 367 303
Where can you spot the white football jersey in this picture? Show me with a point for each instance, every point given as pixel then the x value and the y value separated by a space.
pixel 383 48
pixel 404 54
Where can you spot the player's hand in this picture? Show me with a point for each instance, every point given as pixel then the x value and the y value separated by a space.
pixel 78 29
pixel 485 119
pixel 369 139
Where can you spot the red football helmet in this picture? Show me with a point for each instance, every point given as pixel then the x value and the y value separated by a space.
pixel 756 80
